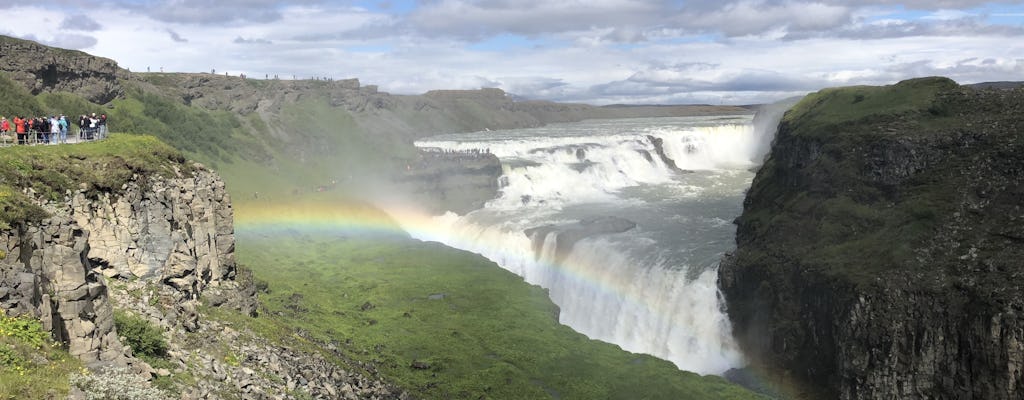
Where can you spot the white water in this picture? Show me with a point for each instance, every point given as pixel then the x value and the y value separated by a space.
pixel 651 289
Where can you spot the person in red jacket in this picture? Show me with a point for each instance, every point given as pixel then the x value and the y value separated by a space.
pixel 5 126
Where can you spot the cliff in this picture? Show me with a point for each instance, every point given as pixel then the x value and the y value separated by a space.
pixel 879 247
pixel 171 228
pixel 42 69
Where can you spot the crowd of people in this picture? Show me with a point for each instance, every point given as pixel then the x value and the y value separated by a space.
pixel 51 130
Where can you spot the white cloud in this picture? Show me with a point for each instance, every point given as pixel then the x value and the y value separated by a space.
pixel 607 51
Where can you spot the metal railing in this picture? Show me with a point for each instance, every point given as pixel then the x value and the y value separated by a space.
pixel 33 137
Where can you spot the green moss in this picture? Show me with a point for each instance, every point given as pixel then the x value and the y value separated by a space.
pixel 444 323
pixel 863 179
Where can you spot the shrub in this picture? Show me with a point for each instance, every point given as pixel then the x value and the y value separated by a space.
pixel 145 339
pixel 24 329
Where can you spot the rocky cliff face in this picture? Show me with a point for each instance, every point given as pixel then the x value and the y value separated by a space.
pixel 46 273
pixel 880 244
pixel 177 230
pixel 174 232
pixel 45 69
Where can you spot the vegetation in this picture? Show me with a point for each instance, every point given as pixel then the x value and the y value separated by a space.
pixel 15 100
pixel 190 129
pixel 31 365
pixel 829 111
pixel 444 323
pixel 146 340
pixel 69 105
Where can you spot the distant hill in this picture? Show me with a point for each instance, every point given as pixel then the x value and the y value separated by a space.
pixel 997 85
pixel 248 128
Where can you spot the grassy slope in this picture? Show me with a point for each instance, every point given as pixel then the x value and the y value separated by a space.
pixel 481 331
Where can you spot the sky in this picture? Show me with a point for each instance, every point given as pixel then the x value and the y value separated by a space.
pixel 593 51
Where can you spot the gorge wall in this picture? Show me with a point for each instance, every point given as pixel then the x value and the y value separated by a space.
pixel 879 247
pixel 175 232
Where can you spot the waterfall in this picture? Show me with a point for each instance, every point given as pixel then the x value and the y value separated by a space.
pixel 651 289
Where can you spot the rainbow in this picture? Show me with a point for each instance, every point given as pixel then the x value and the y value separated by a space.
pixel 364 220
pixel 257 217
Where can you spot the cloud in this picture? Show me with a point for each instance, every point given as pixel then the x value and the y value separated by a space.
pixel 469 20
pixel 66 41
pixel 176 37
pixel 241 40
pixel 923 4
pixel 598 51
pixel 887 29
pixel 203 12
pixel 742 18
pixel 705 77
pixel 80 22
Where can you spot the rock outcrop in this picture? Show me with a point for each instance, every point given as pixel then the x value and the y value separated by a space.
pixel 178 231
pixel 563 237
pixel 461 182
pixel 167 231
pixel 46 69
pixel 879 247
pixel 46 274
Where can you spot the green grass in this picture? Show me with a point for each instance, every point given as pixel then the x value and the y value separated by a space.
pixel 15 100
pixel 31 365
pixel 828 110
pixel 472 329
pixel 204 134
pixel 70 105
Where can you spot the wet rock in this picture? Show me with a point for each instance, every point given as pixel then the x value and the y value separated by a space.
pixel 567 235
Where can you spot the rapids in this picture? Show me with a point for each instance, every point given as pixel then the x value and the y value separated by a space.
pixel 651 289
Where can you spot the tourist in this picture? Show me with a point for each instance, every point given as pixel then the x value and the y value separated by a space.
pixel 5 127
pixel 54 129
pixel 82 125
pixel 19 127
pixel 63 122
pixel 103 125
pixel 93 126
pixel 33 130
pixel 42 126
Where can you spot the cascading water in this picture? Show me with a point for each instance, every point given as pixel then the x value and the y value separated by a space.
pixel 650 289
